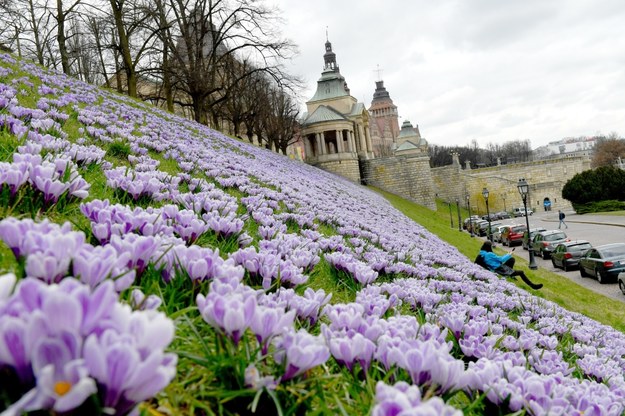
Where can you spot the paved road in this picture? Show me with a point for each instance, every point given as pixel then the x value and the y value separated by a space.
pixel 598 229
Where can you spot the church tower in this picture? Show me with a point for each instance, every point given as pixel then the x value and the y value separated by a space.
pixel 335 129
pixel 384 121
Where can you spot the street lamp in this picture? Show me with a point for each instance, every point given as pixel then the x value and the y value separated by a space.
pixel 524 190
pixel 459 216
pixel 503 196
pixel 470 216
pixel 451 219
pixel 485 195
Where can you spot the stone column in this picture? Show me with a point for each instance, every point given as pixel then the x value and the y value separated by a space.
pixel 368 139
pixel 319 144
pixel 308 153
pixel 350 141
pixel 339 141
pixel 363 144
pixel 324 145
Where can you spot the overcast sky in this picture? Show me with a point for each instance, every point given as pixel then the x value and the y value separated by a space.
pixel 489 70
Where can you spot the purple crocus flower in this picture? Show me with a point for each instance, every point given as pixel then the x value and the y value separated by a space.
pixel 349 350
pixel 140 248
pixel 268 322
pixel 7 284
pixel 300 352
pixel 63 382
pixel 404 399
pixel 232 311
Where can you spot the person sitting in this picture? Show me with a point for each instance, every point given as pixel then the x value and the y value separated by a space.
pixel 503 265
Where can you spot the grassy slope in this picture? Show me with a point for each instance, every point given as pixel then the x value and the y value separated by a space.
pixel 195 387
pixel 556 288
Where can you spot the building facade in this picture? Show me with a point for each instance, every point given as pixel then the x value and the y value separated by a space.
pixel 335 128
pixel 384 121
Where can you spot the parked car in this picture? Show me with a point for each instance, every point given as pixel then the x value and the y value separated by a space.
pixel 512 235
pixel 494 226
pixel 544 242
pixel 480 228
pixel 520 211
pixel 503 215
pixel 497 232
pixel 492 216
pixel 566 255
pixel 528 236
pixel 621 282
pixel 603 262
pixel 467 222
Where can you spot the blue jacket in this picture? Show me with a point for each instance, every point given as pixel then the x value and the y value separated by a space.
pixel 492 260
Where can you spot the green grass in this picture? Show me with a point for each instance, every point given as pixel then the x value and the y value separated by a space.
pixel 558 289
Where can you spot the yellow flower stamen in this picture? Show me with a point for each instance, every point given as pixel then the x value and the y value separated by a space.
pixel 62 387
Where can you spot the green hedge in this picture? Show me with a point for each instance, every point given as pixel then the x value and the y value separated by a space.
pixel 599 206
pixel 602 184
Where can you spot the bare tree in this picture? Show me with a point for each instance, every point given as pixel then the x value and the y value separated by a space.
pixel 134 37
pixel 608 150
pixel 214 35
pixel 63 12
pixel 280 120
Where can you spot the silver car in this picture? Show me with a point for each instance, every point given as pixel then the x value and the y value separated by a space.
pixel 545 242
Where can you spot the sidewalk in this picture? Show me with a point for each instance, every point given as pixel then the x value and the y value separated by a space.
pixel 552 216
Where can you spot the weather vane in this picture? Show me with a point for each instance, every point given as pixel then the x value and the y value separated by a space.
pixel 326 34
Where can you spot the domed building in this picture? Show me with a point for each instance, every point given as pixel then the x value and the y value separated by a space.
pixel 335 129
pixel 410 141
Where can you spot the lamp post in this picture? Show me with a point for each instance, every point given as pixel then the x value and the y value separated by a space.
pixel 524 190
pixel 485 195
pixel 451 219
pixel 459 216
pixel 470 216
pixel 503 196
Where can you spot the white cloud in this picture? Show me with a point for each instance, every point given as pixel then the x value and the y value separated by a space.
pixel 488 70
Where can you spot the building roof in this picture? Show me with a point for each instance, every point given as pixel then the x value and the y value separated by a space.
pixel 357 109
pixel 409 134
pixel 381 94
pixel 407 145
pixel 331 84
pixel 324 113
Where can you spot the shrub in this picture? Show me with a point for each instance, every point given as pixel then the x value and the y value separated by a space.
pixel 603 183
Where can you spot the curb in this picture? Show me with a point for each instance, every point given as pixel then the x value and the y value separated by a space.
pixel 589 222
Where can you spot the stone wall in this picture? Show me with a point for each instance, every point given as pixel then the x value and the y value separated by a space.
pixel 347 168
pixel 546 179
pixel 406 176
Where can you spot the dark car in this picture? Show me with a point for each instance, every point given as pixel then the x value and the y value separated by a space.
pixel 566 255
pixel 467 223
pixel 532 232
pixel 492 217
pixel 503 215
pixel 481 228
pixel 512 235
pixel 603 262
pixel 545 242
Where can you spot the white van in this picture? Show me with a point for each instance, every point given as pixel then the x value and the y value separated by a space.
pixel 520 212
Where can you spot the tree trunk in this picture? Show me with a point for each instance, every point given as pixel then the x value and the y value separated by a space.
pixel 60 36
pixel 38 45
pixel 124 47
pixel 96 33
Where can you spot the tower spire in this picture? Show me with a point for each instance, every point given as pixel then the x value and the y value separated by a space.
pixel 379 71
pixel 329 57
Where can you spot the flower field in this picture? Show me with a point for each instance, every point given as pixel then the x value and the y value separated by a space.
pixel 150 265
